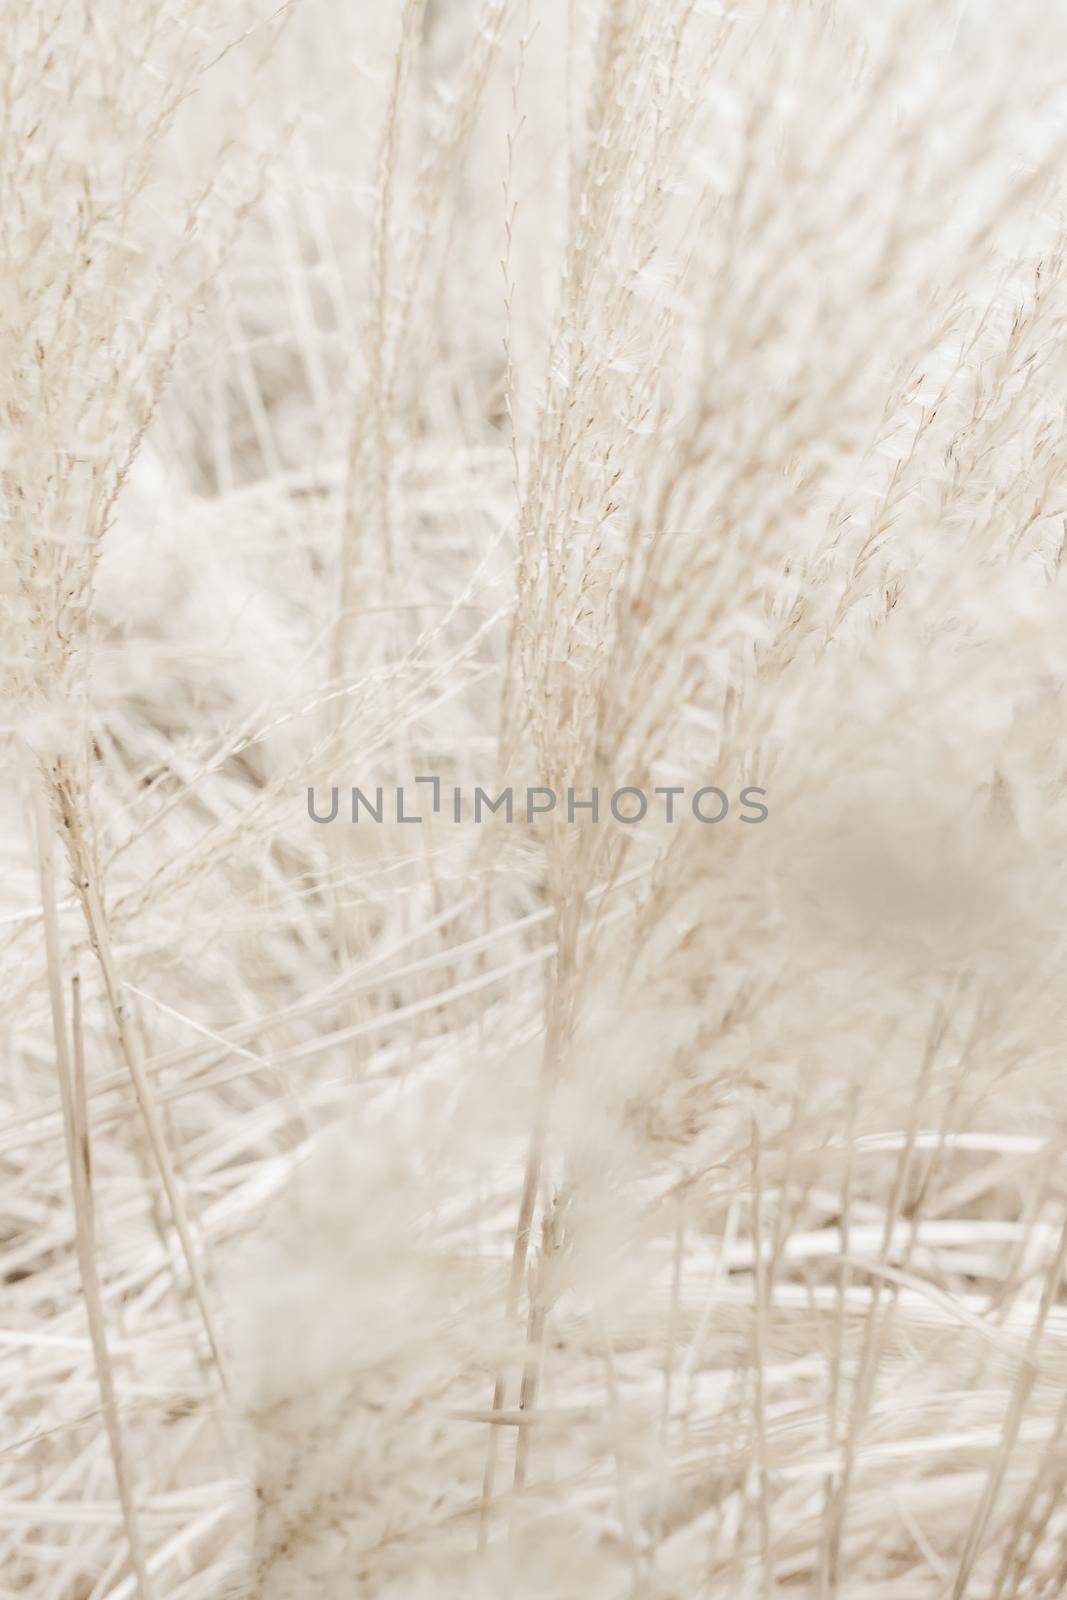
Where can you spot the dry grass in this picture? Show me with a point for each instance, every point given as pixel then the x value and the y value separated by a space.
pixel 607 394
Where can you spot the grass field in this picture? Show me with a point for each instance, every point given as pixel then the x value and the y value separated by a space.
pixel 548 396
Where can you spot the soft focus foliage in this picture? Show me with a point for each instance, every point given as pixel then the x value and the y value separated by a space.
pixel 611 392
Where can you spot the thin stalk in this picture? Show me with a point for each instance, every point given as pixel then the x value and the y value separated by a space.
pixel 76 1128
